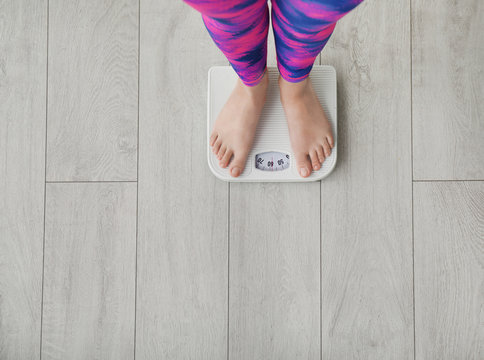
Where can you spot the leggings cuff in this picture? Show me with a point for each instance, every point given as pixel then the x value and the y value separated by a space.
pixel 256 81
pixel 294 80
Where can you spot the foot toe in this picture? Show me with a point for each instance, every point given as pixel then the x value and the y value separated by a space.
pixel 217 145
pixel 330 140
pixel 213 138
pixel 238 164
pixel 316 164
pixel 327 148
pixel 222 151
pixel 303 164
pixel 226 158
pixel 320 152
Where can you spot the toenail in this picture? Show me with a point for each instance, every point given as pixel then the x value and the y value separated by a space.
pixel 235 171
pixel 304 171
pixel 316 166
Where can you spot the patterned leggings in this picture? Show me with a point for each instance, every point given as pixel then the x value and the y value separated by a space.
pixel 301 30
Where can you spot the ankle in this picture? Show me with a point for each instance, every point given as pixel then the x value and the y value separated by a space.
pixel 293 90
pixel 257 93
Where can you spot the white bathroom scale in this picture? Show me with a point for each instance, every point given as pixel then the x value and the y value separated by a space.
pixel 271 158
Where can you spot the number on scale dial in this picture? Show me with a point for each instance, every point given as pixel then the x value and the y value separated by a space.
pixel 272 161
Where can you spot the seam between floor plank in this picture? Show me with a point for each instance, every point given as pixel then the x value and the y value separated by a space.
pixel 228 271
pixel 448 180
pixel 412 169
pixel 45 176
pixel 94 182
pixel 137 187
pixel 320 277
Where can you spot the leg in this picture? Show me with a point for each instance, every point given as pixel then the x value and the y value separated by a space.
pixel 239 28
pixel 301 30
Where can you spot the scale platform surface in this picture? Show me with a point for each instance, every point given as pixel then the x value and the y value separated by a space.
pixel 271 157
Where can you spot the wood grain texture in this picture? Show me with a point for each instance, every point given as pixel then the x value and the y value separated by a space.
pixel 448 89
pixel 449 270
pixel 182 245
pixel 23 77
pixel 89 273
pixel 274 268
pixel 366 204
pixel 274 271
pixel 93 90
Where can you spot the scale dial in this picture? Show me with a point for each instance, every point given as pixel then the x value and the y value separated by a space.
pixel 272 161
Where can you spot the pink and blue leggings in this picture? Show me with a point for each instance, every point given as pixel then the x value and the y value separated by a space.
pixel 301 30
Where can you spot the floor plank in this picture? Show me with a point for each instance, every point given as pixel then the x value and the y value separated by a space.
pixel 93 90
pixel 449 270
pixel 366 209
pixel 23 78
pixel 448 89
pixel 89 274
pixel 274 271
pixel 182 246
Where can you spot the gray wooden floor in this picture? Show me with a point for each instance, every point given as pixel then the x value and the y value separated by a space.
pixel 116 242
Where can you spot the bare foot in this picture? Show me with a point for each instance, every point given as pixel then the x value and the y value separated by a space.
pixel 234 129
pixel 309 129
